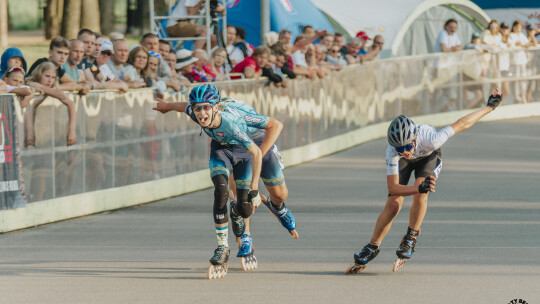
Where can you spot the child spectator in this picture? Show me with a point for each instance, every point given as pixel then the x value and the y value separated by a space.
pixel 217 62
pixel 184 65
pixel 135 70
pixel 14 79
pixel 12 57
pixel 151 74
pixel 44 79
pixel 251 66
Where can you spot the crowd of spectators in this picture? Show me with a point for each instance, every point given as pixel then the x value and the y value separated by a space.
pixel 92 62
pixel 496 37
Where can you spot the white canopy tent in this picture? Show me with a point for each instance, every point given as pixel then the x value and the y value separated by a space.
pixel 409 27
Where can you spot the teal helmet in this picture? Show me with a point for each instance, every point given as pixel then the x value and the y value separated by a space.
pixel 204 93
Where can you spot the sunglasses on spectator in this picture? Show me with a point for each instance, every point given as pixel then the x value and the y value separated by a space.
pixel 334 51
pixel 407 148
pixel 16 69
pixel 106 52
pixel 157 55
pixel 205 107
pixel 378 42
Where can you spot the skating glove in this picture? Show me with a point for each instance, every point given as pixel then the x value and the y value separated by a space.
pixel 254 198
pixel 425 186
pixel 494 101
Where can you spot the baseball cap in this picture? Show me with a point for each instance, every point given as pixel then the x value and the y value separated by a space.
pixel 475 35
pixel 362 35
pixel 106 45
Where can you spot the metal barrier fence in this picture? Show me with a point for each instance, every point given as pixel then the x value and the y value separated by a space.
pixel 122 141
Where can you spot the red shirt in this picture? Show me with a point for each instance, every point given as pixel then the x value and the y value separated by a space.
pixel 247 62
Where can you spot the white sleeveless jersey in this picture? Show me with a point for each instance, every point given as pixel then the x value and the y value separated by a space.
pixel 427 141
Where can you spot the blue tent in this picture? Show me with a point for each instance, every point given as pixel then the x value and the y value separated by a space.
pixel 290 14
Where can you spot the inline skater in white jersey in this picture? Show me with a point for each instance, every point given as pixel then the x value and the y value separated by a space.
pixel 412 148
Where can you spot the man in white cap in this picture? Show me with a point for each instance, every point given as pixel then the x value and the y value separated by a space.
pixel 106 77
pixel 184 66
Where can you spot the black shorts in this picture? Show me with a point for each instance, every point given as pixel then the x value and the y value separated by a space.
pixel 422 167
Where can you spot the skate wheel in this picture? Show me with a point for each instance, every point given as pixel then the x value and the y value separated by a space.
pixel 294 234
pixel 211 272
pixel 355 268
pixel 248 262
pixel 398 264
pixel 217 272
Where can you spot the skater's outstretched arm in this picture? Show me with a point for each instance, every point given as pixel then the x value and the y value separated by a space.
pixel 273 129
pixel 164 106
pixel 469 120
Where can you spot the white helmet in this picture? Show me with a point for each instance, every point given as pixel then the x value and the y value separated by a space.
pixel 402 131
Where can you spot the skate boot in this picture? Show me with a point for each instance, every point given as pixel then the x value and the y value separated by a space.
pixel 238 223
pixel 218 263
pixel 245 252
pixel 368 253
pixel 406 249
pixel 284 216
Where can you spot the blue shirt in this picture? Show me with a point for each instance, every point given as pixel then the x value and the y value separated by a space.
pixel 232 130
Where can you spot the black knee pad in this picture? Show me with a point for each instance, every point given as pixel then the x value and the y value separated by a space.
pixel 243 207
pixel 221 196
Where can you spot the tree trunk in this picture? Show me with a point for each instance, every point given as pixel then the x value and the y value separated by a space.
pixel 72 19
pixel 106 9
pixel 53 18
pixel 3 24
pixel 90 15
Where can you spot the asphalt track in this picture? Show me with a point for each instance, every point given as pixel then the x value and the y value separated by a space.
pixel 480 240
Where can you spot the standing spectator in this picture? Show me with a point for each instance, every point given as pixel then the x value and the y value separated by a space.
pixel 151 43
pixel 269 71
pixel 151 78
pixel 76 55
pixel 364 38
pixel 308 31
pixel 328 40
pixel 184 64
pixel 235 54
pixel 518 60
pixel 531 67
pixel 320 58
pixel 217 61
pixel 282 63
pixel 448 40
pixel 12 57
pixel 491 36
pixel 202 66
pixel 179 78
pixel 285 36
pixel 164 48
pixel 350 50
pixel 186 27
pixel 135 70
pixel 504 60
pixel 241 43
pixel 335 57
pixel 376 46
pixel 119 58
pixel 473 72
pixel 271 38
pixel 301 65
pixel 58 54
pixel 251 67
pixel 339 39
